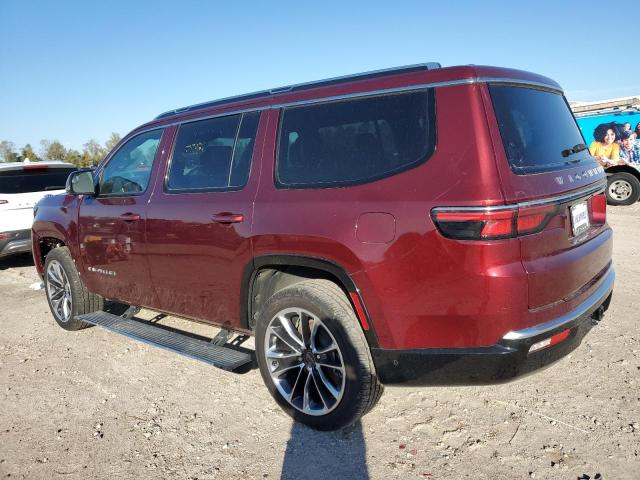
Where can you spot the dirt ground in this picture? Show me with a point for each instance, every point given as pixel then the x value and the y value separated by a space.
pixel 92 404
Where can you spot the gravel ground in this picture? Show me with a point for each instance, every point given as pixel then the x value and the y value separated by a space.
pixel 92 404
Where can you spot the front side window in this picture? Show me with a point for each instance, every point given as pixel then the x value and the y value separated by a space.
pixel 128 171
pixel 213 154
pixel 355 141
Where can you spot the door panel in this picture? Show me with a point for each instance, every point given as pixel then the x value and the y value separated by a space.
pixel 199 224
pixel 112 225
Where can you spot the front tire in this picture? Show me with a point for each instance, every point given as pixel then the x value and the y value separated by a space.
pixel 313 356
pixel 66 294
pixel 623 188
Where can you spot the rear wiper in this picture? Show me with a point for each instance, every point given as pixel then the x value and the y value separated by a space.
pixel 575 149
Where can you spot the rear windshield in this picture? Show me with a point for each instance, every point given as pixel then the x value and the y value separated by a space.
pixel 37 180
pixel 536 127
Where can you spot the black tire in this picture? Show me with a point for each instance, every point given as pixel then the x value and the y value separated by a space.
pixel 82 300
pixel 623 188
pixel 328 303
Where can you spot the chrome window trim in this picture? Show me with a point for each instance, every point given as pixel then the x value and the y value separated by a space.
pixel 177 123
pixel 421 86
pixel 288 88
pixel 408 88
pixel 565 198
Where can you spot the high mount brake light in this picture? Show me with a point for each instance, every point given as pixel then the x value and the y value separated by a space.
pixel 35 167
pixel 492 224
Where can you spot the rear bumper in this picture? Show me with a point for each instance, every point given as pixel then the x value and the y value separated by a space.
pixel 20 242
pixel 508 359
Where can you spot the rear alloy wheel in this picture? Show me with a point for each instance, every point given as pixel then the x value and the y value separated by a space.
pixel 313 356
pixel 304 361
pixel 66 294
pixel 623 188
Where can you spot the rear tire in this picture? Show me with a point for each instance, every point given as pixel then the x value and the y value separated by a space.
pixel 623 188
pixel 66 294
pixel 324 377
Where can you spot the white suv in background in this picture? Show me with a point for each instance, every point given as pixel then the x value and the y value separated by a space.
pixel 22 185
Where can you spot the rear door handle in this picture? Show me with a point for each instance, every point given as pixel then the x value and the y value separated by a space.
pixel 227 217
pixel 130 217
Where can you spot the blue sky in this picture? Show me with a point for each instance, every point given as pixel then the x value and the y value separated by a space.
pixel 75 70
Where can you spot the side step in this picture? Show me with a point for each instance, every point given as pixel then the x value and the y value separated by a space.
pixel 216 355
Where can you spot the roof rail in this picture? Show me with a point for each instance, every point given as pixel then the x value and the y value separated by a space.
pixel 304 86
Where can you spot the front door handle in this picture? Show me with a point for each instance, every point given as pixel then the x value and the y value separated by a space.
pixel 227 217
pixel 130 217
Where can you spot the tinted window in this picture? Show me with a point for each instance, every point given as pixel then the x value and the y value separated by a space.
pixel 355 141
pixel 36 180
pixel 129 169
pixel 243 151
pixel 213 154
pixel 535 126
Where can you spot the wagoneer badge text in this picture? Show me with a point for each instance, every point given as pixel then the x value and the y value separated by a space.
pixel 579 176
pixel 110 273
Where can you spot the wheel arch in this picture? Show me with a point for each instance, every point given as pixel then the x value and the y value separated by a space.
pixel 623 169
pixel 42 244
pixel 267 274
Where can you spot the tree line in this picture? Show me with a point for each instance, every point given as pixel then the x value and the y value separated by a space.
pixel 91 154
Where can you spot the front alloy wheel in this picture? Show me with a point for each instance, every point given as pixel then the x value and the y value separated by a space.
pixel 66 294
pixel 59 292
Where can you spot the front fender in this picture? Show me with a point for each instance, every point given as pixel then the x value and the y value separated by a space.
pixel 56 217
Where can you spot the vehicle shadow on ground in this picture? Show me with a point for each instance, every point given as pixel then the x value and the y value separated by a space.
pixel 22 260
pixel 333 455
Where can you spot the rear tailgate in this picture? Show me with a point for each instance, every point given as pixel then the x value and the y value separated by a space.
pixel 544 166
pixel 22 186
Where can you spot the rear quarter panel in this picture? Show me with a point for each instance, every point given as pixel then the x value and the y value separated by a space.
pixel 420 289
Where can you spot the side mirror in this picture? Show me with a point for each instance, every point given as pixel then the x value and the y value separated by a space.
pixel 81 183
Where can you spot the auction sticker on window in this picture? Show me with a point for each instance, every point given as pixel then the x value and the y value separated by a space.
pixel 580 218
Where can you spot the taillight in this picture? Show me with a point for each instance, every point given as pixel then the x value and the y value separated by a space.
pixel 599 209
pixel 6 236
pixel 474 225
pixel 534 219
pixel 2 202
pixel 477 223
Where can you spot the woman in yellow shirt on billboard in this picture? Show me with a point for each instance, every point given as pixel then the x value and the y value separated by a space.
pixel 604 148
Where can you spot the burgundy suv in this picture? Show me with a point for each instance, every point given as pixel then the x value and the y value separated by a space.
pixel 415 226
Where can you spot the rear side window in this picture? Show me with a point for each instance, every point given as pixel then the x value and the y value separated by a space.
pixel 355 141
pixel 536 126
pixel 34 179
pixel 213 154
